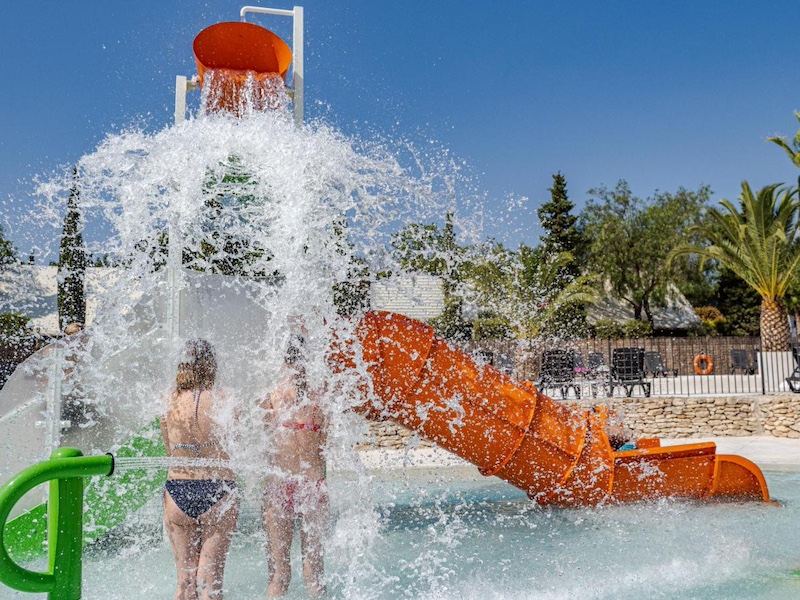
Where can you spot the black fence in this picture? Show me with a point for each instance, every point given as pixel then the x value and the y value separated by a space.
pixel 646 366
pixel 603 368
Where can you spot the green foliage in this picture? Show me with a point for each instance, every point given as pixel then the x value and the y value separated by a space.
pixel 559 224
pixel 351 295
pixel 713 321
pixel 608 328
pixel 101 260
pixel 13 328
pixel 759 242
pixel 491 326
pixel 562 238
pixel 634 328
pixel 219 246
pixel 629 240
pixel 793 150
pixel 72 264
pixel 451 324
pixel 740 304
pixel 525 287
pixel 8 253
pixel 427 249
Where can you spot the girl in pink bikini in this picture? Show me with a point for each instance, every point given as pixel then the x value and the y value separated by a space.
pixel 297 491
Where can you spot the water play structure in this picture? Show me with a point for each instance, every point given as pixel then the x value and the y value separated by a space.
pixel 556 454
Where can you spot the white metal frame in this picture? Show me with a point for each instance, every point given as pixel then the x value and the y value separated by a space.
pixel 183 85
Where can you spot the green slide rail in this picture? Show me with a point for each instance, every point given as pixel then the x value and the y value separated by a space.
pixel 65 471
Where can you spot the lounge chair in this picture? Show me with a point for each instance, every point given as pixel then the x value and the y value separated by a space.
pixel 627 371
pixel 793 380
pixel 654 364
pixel 558 372
pixel 740 361
pixel 597 363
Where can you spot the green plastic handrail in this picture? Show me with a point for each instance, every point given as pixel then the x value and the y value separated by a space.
pixel 65 471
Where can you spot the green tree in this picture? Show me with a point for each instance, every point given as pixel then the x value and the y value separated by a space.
pixel 220 244
pixel 563 238
pixel 14 328
pixel 429 249
pixel 525 288
pixel 739 304
pixel 759 243
pixel 72 263
pixel 351 293
pixel 561 233
pixel 8 253
pixel 629 240
pixel 792 149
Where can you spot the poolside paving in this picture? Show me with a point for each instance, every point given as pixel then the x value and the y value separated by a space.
pixel 766 451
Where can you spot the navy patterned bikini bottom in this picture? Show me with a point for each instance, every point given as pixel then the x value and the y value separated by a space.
pixel 195 497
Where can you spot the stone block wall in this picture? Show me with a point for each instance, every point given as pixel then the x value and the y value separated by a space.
pixel 664 417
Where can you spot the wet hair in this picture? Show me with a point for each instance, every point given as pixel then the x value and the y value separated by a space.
pixel 198 366
pixel 295 358
pixel 73 328
pixel 295 351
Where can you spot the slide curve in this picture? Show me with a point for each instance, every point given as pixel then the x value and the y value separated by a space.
pixel 558 455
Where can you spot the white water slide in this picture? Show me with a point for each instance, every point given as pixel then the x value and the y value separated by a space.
pixel 95 389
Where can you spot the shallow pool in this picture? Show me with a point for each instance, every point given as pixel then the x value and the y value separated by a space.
pixel 450 533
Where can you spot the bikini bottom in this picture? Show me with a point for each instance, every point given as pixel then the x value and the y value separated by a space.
pixel 195 497
pixel 298 496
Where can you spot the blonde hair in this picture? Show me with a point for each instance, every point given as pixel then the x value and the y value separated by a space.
pixel 198 367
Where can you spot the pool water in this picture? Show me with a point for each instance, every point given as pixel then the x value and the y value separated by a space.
pixel 449 533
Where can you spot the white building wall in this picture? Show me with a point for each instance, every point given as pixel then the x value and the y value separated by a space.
pixel 417 295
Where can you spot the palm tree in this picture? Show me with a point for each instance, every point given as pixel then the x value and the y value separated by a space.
pixel 793 151
pixel 759 244
pixel 540 295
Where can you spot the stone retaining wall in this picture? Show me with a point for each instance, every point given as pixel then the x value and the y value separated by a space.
pixel 776 415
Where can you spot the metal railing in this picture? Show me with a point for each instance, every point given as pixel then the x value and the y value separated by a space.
pixel 698 366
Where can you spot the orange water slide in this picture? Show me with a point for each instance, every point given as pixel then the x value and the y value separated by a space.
pixel 556 454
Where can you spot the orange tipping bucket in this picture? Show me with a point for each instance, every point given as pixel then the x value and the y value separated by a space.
pixel 237 51
pixel 241 47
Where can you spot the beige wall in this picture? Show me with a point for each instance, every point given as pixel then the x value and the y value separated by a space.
pixel 663 417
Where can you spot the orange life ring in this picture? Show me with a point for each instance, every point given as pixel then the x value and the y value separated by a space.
pixel 703 364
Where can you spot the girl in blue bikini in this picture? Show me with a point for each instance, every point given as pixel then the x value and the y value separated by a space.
pixel 201 506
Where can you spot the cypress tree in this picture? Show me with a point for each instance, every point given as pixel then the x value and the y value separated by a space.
pixel 559 224
pixel 72 263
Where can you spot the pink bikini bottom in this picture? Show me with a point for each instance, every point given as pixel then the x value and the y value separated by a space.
pixel 298 496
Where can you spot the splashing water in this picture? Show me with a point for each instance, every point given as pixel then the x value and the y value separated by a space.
pixel 240 231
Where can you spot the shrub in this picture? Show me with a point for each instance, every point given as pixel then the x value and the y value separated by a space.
pixel 491 326
pixel 634 328
pixel 713 321
pixel 13 328
pixel 606 328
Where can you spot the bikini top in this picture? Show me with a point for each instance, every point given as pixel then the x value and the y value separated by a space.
pixel 195 447
pixel 301 426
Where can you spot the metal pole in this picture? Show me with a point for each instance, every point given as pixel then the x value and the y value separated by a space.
pixel 298 55
pixel 180 99
pixel 298 59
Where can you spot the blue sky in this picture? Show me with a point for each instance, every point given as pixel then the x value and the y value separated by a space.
pixel 668 94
